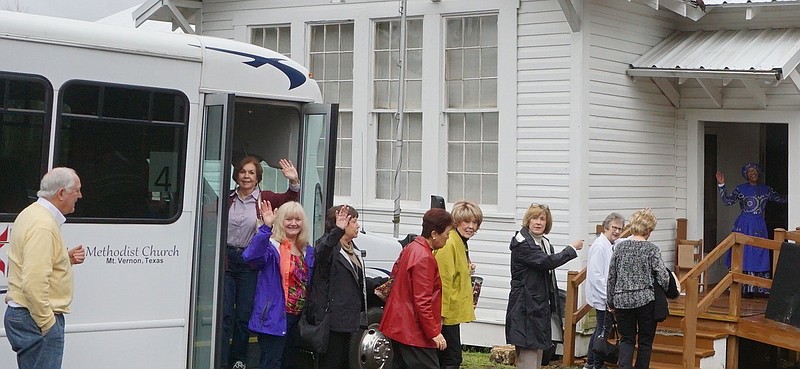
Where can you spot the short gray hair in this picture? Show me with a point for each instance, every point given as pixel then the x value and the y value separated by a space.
pixel 56 179
pixel 613 217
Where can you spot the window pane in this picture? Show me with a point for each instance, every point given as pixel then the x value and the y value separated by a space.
pixel 81 99
pixel 489 62
pixel 455 186
pixel 472 157
pixel 489 30
pixel 490 127
pixel 489 158
pixel 394 31
pixel 331 66
pixel 347 37
pixel 384 158
pixel 126 103
pixel 414 95
pixel 472 186
pixel 454 94
pixel 331 91
pixel 472 31
pixel 258 36
pixel 383 185
pixel 455 127
pixel 414 64
pixel 271 38
pixel 472 63
pixel 317 38
pixel 128 169
pixel 455 157
pixel 346 95
pixel 22 148
pixel 381 95
pixel 383 64
pixel 472 90
pixel 454 33
pixel 381 35
pixel 285 39
pixel 346 69
pixel 332 37
pixel 488 93
pixel 414 187
pixel 454 64
pixel 414 33
pixel 489 190
pixel 318 66
pixel 473 127
pixel 413 153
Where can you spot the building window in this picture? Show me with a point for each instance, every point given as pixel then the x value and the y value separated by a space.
pixel 471 108
pixel 386 79
pixel 275 38
pixel 411 164
pixel 331 56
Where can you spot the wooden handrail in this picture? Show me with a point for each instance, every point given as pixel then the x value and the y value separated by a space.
pixel 735 242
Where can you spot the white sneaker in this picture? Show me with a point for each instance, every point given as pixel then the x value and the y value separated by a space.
pixel 239 365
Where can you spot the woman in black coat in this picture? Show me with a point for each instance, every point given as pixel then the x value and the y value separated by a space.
pixel 338 283
pixel 534 293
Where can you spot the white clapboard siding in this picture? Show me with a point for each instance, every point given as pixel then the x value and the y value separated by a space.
pixel 634 159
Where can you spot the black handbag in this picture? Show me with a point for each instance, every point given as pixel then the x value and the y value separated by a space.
pixel 607 345
pixel 314 335
pixel 661 308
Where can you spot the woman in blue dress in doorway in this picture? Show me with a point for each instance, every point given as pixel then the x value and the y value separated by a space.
pixel 752 198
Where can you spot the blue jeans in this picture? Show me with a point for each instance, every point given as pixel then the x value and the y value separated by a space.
pixel 237 305
pixel 34 351
pixel 604 322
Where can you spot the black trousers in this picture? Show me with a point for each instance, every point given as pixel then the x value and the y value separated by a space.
pixel 412 357
pixel 451 356
pixel 336 356
pixel 632 323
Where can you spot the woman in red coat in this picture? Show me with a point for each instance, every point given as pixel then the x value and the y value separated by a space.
pixel 412 317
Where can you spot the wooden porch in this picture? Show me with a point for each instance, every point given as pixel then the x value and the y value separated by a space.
pixel 705 322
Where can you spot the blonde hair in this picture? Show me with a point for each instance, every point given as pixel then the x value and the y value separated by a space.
pixel 534 211
pixel 642 222
pixel 290 209
pixel 464 210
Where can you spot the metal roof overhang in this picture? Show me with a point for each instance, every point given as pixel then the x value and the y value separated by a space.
pixel 757 58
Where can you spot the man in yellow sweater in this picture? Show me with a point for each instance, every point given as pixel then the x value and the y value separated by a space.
pixel 40 273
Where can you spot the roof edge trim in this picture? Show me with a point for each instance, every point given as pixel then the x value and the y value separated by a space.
pixel 771 75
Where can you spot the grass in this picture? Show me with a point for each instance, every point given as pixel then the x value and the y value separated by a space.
pixel 478 358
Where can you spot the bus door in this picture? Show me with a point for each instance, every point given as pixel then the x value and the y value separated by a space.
pixel 318 162
pixel 207 274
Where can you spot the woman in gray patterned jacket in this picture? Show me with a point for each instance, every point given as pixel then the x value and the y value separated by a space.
pixel 635 266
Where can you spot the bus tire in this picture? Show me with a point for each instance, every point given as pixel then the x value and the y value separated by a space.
pixel 369 348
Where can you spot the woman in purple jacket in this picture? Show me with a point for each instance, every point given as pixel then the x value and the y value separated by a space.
pixel 284 259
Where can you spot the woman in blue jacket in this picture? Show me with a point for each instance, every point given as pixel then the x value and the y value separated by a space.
pixel 284 259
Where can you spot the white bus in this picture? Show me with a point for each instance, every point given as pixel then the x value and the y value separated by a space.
pixel 152 123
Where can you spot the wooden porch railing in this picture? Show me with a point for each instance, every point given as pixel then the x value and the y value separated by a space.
pixel 690 283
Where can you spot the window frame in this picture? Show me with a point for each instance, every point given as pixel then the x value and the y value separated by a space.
pixel 47 122
pixel 181 149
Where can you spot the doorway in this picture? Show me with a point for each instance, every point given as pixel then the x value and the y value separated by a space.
pixel 728 147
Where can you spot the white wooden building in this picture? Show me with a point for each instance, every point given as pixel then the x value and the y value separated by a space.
pixel 589 106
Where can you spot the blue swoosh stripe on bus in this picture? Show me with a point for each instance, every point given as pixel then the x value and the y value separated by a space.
pixel 296 77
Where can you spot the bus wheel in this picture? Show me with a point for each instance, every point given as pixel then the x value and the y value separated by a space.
pixel 369 348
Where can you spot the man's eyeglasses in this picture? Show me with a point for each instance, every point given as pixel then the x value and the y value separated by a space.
pixel 618 229
pixel 543 206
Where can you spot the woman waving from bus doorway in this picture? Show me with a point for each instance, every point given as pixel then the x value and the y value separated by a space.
pixel 240 278
pixel 284 259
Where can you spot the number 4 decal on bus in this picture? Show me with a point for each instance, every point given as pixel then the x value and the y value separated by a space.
pixel 163 171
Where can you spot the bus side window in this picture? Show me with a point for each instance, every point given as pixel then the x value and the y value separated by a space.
pixel 25 103
pixel 113 147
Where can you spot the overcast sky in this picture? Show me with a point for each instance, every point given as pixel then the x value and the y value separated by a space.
pixel 90 10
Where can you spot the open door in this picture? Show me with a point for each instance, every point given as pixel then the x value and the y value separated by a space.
pixel 207 273
pixel 318 162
